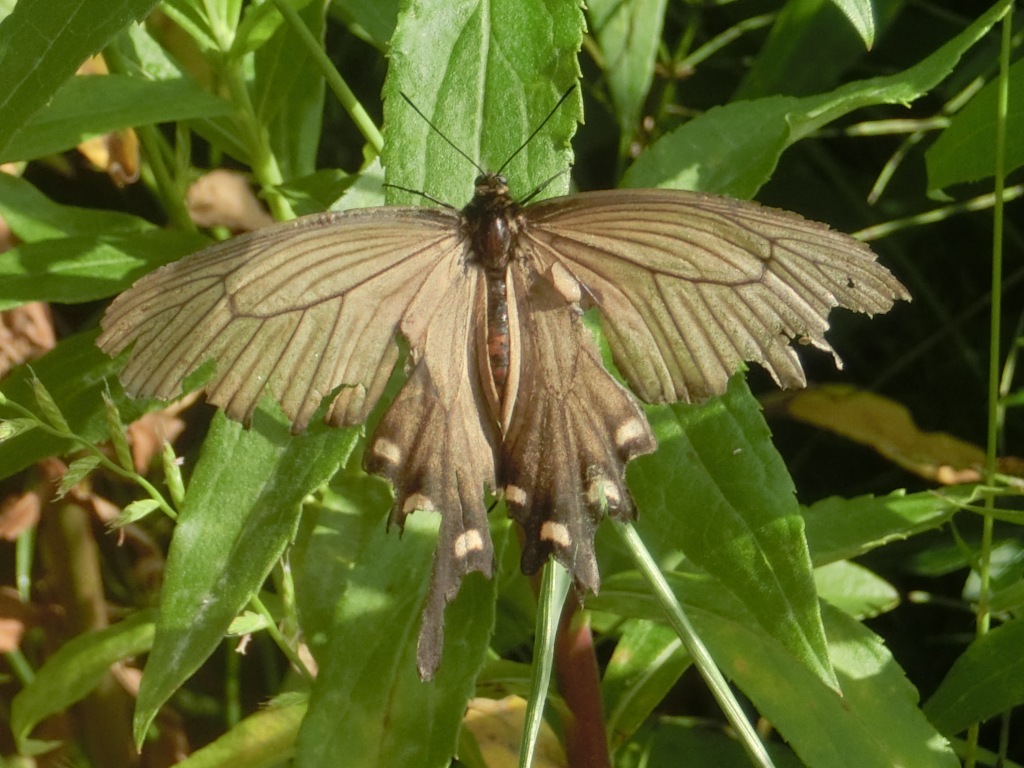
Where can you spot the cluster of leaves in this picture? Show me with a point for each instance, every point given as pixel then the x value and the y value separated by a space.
pixel 283 536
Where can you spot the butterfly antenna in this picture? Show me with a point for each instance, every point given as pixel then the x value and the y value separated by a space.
pixel 535 132
pixel 541 187
pixel 441 134
pixel 424 195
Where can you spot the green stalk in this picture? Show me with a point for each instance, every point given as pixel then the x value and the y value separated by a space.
pixel 695 647
pixel 983 616
pixel 333 78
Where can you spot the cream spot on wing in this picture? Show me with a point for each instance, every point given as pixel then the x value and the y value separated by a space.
pixel 628 432
pixel 602 493
pixel 417 501
pixel 470 541
pixel 515 495
pixel 387 450
pixel 564 282
pixel 556 533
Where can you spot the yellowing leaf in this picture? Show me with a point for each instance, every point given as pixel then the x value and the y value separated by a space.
pixel 497 725
pixel 887 427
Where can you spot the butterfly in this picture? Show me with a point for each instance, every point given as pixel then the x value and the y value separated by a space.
pixel 505 389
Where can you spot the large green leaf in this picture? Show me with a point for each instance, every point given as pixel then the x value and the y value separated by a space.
pixel 718 491
pixel 486 74
pixel 873 723
pixel 241 510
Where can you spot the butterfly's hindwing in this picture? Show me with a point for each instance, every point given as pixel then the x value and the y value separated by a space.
pixel 437 443
pixel 571 434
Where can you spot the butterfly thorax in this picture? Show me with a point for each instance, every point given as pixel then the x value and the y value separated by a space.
pixel 490 223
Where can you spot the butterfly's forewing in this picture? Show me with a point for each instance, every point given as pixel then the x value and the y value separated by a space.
pixel 691 285
pixel 293 311
pixel 437 443
pixel 572 432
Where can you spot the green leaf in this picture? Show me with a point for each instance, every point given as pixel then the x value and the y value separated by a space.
pixel 629 35
pixel 855 590
pixel 76 668
pixel 362 592
pixel 33 216
pixel 73 270
pixel 77 375
pixel 648 661
pixel 172 474
pixel 875 722
pixel 77 471
pixel 862 16
pixel 734 149
pixel 839 529
pixel 13 427
pixel 718 491
pixel 51 413
pixel 289 93
pixel 92 106
pixel 988 678
pixel 116 430
pixel 484 97
pixel 241 510
pixel 135 512
pixel 265 739
pixel 42 44
pixel 810 46
pixel 965 150
pixel 372 20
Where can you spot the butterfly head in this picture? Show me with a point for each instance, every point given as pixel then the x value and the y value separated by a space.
pixel 490 185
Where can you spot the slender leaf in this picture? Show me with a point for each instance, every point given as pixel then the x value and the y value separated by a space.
pixel 73 270
pixel 988 678
pixel 965 151
pixel 91 106
pixel 32 216
pixel 629 34
pixel 838 529
pixel 77 667
pixel 734 149
pixel 43 42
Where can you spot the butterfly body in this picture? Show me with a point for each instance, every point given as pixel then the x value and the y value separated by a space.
pixel 506 389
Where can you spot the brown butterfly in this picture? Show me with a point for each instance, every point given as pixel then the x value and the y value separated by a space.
pixel 506 390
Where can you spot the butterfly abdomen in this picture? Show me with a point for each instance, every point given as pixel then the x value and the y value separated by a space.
pixel 499 344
